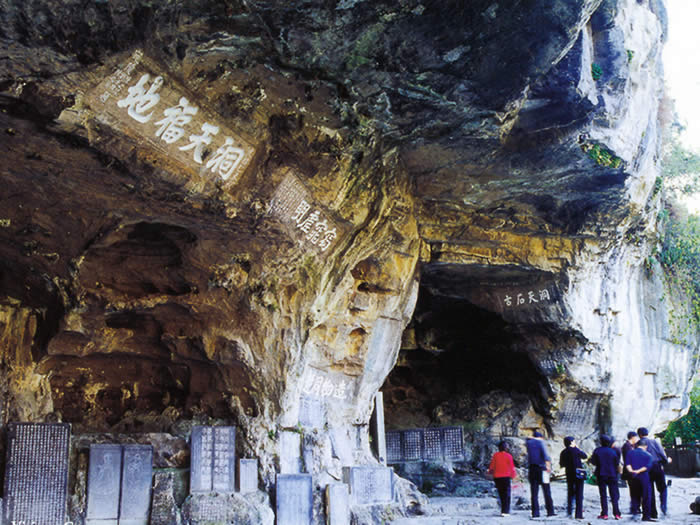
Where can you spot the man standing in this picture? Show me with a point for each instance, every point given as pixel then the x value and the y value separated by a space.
pixel 570 460
pixel 639 461
pixel 657 476
pixel 627 446
pixel 606 460
pixel 539 464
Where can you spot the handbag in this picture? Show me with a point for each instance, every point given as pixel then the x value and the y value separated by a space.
pixel 581 473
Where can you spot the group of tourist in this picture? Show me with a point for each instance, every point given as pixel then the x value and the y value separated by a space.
pixel 640 462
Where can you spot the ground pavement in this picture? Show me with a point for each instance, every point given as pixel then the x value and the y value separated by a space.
pixel 468 511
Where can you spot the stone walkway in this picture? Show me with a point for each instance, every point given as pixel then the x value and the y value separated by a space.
pixel 468 511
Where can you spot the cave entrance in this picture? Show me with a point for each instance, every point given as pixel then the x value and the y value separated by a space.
pixel 463 363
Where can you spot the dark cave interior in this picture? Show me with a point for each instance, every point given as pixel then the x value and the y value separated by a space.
pixel 454 352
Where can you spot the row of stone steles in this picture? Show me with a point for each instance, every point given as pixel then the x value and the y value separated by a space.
pixel 120 476
pixel 425 445
pixel 362 485
pixel 119 486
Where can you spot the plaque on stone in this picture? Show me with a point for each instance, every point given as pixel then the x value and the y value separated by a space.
pixel 201 459
pixel 224 477
pixel 393 446
pixel 207 509
pixel 311 225
pixel 137 475
pixel 452 443
pixel 369 485
pixel 432 444
pixel 103 484
pixel 294 504
pixel 212 464
pixel 578 412
pixel 337 504
pixel 312 411
pixel 36 473
pixel 142 101
pixel 290 452
pixel 247 475
pixel 412 449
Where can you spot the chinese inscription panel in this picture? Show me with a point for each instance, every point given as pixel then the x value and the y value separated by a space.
pixel 369 484
pixel 393 447
pixel 310 225
pixel 294 499
pixel 145 104
pixel 137 474
pixel 212 467
pixel 103 482
pixel 36 475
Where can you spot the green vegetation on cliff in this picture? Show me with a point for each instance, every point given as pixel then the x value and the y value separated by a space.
pixel 688 427
pixel 680 244
pixel 681 169
pixel 680 257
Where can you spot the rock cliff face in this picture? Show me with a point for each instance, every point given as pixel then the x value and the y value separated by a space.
pixel 248 211
pixel 536 299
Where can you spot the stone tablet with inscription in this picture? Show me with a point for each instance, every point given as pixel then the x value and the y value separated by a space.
pixel 312 411
pixel 432 444
pixel 201 459
pixel 103 484
pixel 137 476
pixel 290 452
pixel 36 473
pixel 369 485
pixel 294 499
pixel 213 466
pixel 452 443
pixel 577 413
pixel 247 475
pixel 412 446
pixel 337 504
pixel 224 469
pixel 393 446
pixel 142 102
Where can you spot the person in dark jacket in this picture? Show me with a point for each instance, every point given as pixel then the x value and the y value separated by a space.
pixel 657 476
pixel 639 462
pixel 570 460
pixel 606 460
pixel 539 462
pixel 632 438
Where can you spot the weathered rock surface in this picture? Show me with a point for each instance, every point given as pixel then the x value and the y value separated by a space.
pixel 447 149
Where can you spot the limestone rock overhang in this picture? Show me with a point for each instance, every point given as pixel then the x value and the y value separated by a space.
pixel 457 134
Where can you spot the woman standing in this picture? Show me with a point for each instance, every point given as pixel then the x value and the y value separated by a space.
pixel 503 470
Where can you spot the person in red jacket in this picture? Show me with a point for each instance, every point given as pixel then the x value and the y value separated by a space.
pixel 503 470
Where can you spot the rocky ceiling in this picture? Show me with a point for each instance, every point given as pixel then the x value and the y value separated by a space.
pixel 447 143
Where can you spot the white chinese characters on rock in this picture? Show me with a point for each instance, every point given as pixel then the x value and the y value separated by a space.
pixel 532 298
pixel 321 385
pixel 292 204
pixel 316 230
pixel 119 79
pixel 142 98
